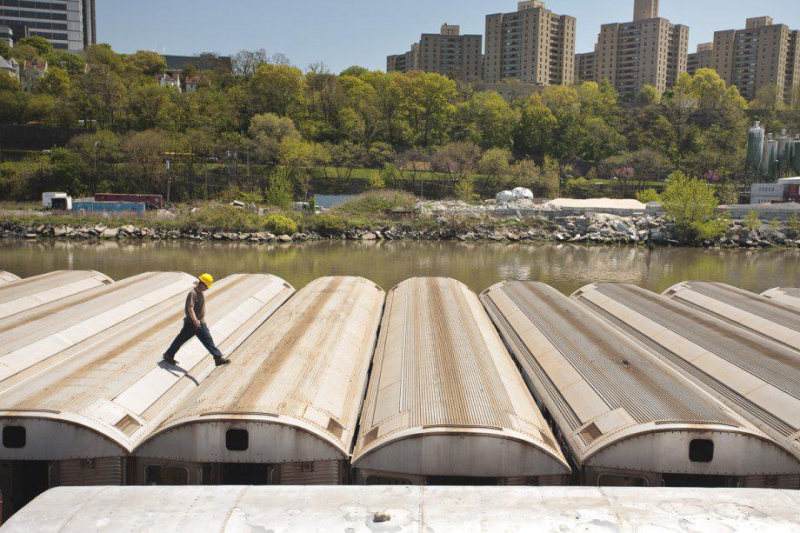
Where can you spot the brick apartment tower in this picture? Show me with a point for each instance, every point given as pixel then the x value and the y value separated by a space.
pixel 532 45
pixel 646 51
pixel 449 53
pixel 764 53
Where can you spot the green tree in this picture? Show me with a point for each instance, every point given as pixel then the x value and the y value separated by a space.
pixel 580 188
pixel 5 50
pixel 72 63
pixel 494 171
pixel 533 135
pixel 279 191
pixel 55 83
pixel 647 96
pixel 277 89
pixel 431 107
pixel 647 196
pixel 691 204
pixel 146 63
pixel 487 120
pixel 42 45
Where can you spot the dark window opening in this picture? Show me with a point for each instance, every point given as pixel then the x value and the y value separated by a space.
pixel 244 474
pixel 462 481
pixel 701 451
pixel 613 480
pixel 693 481
pixel 237 440
pixel 14 437
pixel 166 475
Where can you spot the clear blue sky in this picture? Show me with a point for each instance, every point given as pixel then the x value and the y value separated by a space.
pixel 363 32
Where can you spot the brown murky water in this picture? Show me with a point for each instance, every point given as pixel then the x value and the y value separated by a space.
pixel 566 267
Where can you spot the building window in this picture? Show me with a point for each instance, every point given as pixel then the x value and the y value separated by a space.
pixel 14 437
pixel 237 440
pixel 701 451
pixel 166 475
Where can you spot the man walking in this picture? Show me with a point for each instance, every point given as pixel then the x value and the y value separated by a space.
pixel 194 324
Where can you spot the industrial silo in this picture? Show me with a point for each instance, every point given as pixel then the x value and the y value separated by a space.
pixel 755 148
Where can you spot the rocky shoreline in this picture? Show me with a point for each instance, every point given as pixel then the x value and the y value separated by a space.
pixel 602 229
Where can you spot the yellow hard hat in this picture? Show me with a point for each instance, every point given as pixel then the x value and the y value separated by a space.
pixel 207 280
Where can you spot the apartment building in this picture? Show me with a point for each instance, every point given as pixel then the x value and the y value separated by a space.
pixel 449 53
pixel 764 53
pixel 457 56
pixel 68 24
pixel 647 51
pixel 585 67
pixel 404 62
pixel 703 58
pixel 532 45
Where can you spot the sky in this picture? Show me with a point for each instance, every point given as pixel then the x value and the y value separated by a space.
pixel 342 33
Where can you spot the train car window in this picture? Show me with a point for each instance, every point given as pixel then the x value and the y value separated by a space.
pixel 237 440
pixel 166 475
pixel 607 480
pixel 701 451
pixel 14 437
pixel 384 480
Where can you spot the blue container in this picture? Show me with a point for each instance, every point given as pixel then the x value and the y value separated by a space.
pixel 109 207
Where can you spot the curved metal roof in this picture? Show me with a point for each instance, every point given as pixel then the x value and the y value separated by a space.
pixel 39 290
pixel 119 389
pixel 66 327
pixel 757 378
pixel 302 374
pixel 786 295
pixel 757 314
pixel 606 391
pixel 408 509
pixel 440 375
pixel 7 277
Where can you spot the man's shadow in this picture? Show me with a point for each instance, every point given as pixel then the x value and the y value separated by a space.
pixel 176 370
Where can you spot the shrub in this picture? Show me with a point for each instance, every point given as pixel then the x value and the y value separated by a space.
pixel 794 222
pixel 648 196
pixel 692 206
pixel 377 204
pixel 329 225
pixel 465 191
pixel 280 192
pixel 752 220
pixel 280 225
pixel 222 218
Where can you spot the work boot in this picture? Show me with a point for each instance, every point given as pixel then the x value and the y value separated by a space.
pixel 170 360
pixel 219 361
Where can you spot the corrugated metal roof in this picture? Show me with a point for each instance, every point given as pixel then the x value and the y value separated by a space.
pixel 305 367
pixel 760 315
pixel 119 388
pixel 7 277
pixel 600 386
pixel 61 329
pixel 786 295
pixel 39 290
pixel 407 509
pixel 441 368
pixel 757 378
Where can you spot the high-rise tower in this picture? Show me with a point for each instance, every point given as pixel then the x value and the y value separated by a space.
pixel 68 24
pixel 645 9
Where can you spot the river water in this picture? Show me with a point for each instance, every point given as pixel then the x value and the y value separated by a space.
pixel 566 267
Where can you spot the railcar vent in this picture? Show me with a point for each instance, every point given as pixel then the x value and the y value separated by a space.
pixel 128 425
pixel 370 437
pixel 591 433
pixel 335 428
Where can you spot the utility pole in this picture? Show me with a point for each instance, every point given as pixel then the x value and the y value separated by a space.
pixel 169 179
pixel 94 182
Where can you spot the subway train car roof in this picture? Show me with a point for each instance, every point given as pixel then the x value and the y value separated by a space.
pixel 107 399
pixel 757 378
pixel 615 402
pixel 445 398
pixel 408 509
pixel 39 290
pixel 65 328
pixel 7 277
pixel 757 314
pixel 296 384
pixel 786 295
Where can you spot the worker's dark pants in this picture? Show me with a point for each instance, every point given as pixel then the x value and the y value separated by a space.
pixel 186 335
